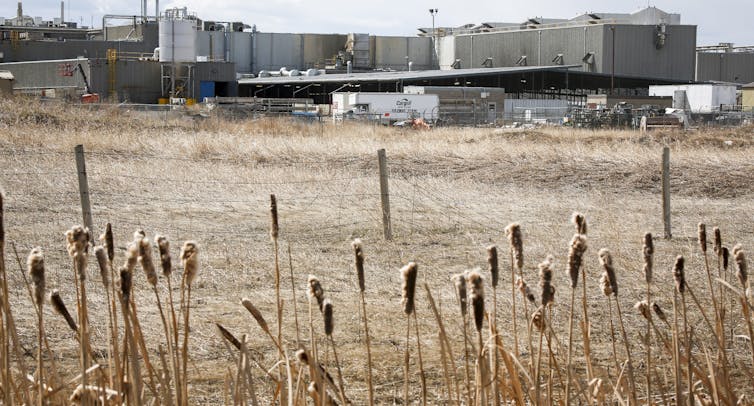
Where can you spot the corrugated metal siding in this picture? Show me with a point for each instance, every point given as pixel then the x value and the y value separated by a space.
pixel 52 50
pixel 735 67
pixel 47 73
pixel 636 54
pixel 391 52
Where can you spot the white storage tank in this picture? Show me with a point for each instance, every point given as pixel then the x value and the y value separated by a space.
pixel 177 37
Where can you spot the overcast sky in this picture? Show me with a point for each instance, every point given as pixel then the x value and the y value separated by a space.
pixel 717 21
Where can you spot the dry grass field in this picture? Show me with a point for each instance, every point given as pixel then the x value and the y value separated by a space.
pixel 453 191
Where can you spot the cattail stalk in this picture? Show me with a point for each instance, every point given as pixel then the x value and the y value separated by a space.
pixel 329 321
pixel 548 292
pixel 680 288
pixel 358 251
pixel 408 276
pixel 274 234
pixel 743 276
pixel 109 249
pixel 166 265
pixel 513 233
pixel 134 375
pixel 575 260
pixel 648 255
pixel 476 283
pixel 459 281
pixel 78 249
pixel 4 328
pixel 190 259
pixel 492 261
pixel 36 266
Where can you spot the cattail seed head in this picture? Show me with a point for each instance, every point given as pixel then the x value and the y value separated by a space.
pixel 108 240
pixel 679 275
pixel 132 255
pixel 408 274
pixel 545 281
pixel 36 265
pixel 476 282
pixel 78 248
pixel 726 257
pixel 328 317
pixel 575 258
pixel 702 237
pixel 104 265
pixel 608 277
pixel 658 312
pixel 274 228
pixel 145 260
pixel 316 291
pixel 126 279
pixel 648 252
pixel 190 258
pixel 538 320
pixel 717 242
pixel 525 290
pixel 459 280
pixel 256 314
pixel 643 308
pixel 579 221
pixel 359 262
pixel 513 232
pixel 228 336
pixel 165 261
pixel 743 269
pixel 493 265
pixel 59 306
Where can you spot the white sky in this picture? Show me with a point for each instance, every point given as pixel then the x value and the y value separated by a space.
pixel 717 21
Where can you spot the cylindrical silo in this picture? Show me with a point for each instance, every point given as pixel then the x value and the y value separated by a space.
pixel 177 37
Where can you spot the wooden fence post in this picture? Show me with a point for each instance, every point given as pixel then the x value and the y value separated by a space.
pixel 384 195
pixel 666 191
pixel 86 208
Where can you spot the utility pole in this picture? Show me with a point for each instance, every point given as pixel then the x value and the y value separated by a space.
pixel 434 11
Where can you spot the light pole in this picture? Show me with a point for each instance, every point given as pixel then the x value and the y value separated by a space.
pixel 433 11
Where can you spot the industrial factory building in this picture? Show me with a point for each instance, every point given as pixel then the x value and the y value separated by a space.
pixel 176 55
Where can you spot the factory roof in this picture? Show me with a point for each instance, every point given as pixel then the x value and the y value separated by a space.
pixel 395 76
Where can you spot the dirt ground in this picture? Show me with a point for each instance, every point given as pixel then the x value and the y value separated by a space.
pixel 452 192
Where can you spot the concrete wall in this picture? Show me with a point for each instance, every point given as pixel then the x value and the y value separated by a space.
pixel 734 67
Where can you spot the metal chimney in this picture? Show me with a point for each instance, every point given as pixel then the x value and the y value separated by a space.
pixel 62 12
pixel 20 12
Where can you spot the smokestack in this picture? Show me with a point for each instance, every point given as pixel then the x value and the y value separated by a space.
pixel 62 12
pixel 20 11
pixel 157 9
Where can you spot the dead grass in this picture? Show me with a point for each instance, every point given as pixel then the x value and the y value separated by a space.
pixel 453 191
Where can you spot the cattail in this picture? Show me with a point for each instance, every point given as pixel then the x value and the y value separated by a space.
pixel 256 314
pixel 327 316
pixel 59 306
pixel 740 258
pixel 477 298
pixel 525 290
pixel 139 234
pixel 145 260
pixel 125 285
pixel 408 273
pixel 316 291
pixel 165 261
pixel 605 285
pixel 108 240
pixel 359 262
pixel 459 280
pixel 702 237
pixel 726 257
pixel 575 258
pixel 492 261
pixel 228 336
pixel 104 268
pixel 658 312
pixel 545 281
pixel 606 260
pixel 538 320
pixel 717 243
pixel 190 258
pixel 78 248
pixel 513 231
pixel 643 308
pixel 274 228
pixel 679 275
pixel 132 255
pixel 648 251
pixel 36 265
pixel 579 221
